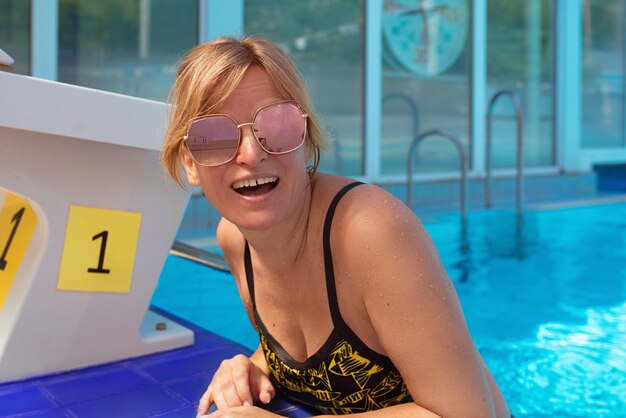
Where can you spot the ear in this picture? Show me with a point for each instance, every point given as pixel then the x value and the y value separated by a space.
pixel 310 151
pixel 190 167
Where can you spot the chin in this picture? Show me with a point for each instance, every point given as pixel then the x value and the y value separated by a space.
pixel 254 221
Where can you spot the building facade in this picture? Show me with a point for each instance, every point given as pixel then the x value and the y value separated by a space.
pixel 380 72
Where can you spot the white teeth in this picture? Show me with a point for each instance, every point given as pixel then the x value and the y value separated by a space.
pixel 253 182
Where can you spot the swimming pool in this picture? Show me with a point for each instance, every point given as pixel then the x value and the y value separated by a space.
pixel 544 298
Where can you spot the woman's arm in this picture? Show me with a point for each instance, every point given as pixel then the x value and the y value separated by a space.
pixel 383 249
pixel 240 380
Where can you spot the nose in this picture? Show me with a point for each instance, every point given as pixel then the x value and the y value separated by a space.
pixel 250 151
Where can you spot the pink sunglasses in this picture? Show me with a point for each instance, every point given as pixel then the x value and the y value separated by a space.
pixel 278 127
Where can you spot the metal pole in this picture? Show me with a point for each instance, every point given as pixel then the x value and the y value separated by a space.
pixel 459 146
pixel 412 105
pixel 519 115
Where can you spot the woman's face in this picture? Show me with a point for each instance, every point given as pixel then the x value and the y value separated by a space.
pixel 284 177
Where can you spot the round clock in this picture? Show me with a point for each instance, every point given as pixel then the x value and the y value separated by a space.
pixel 425 36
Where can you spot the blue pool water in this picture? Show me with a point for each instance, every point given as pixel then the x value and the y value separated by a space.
pixel 544 298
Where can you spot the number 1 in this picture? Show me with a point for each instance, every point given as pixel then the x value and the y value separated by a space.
pixel 100 269
pixel 16 219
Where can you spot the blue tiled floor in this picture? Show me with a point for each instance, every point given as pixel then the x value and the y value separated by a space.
pixel 164 385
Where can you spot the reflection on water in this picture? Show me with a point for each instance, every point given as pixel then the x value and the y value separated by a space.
pixel 544 297
pixel 568 369
pixel 588 367
pixel 468 244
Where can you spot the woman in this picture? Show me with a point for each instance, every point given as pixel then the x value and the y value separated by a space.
pixel 354 310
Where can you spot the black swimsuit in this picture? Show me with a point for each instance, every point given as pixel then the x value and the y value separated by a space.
pixel 345 376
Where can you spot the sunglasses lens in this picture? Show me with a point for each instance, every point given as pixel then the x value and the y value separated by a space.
pixel 280 127
pixel 213 140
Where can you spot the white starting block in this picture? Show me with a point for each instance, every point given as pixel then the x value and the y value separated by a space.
pixel 87 219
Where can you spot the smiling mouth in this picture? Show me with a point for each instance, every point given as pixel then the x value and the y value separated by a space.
pixel 255 187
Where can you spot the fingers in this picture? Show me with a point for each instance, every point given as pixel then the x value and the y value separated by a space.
pixel 263 388
pixel 241 378
pixel 221 401
pixel 205 402
pixel 230 386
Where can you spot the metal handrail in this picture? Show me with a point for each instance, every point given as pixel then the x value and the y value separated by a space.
pixel 200 256
pixel 519 114
pixel 412 106
pixel 459 146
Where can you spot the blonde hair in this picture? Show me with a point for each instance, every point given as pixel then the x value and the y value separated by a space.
pixel 210 72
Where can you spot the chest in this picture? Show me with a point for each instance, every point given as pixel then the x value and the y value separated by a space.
pixel 293 306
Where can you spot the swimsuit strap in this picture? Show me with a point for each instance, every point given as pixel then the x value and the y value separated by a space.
pixel 249 273
pixel 328 258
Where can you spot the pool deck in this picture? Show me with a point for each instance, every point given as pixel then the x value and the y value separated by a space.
pixel 167 384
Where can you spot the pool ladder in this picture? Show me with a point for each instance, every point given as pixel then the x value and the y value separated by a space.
pixel 412 107
pixel 519 114
pixel 459 146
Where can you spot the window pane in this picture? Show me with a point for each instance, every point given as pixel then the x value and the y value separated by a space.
pixel 325 40
pixel 125 46
pixel 15 32
pixel 520 58
pixel 603 73
pixel 426 83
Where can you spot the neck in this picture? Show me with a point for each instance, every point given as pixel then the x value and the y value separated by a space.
pixel 282 246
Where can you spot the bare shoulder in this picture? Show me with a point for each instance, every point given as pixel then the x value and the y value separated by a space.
pixel 373 218
pixel 385 259
pixel 374 233
pixel 231 242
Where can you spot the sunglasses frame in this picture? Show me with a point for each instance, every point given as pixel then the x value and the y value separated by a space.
pixel 254 131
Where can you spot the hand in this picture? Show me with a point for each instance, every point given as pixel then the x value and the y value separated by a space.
pixel 242 412
pixel 237 382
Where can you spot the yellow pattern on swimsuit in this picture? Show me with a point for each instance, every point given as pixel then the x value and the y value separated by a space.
pixel 344 382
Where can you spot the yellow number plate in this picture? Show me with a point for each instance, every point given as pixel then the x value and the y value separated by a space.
pixel 17 224
pixel 99 250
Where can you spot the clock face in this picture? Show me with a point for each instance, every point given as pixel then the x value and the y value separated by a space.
pixel 425 36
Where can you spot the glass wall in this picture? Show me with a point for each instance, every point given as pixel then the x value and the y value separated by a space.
pixel 325 40
pixel 125 46
pixel 520 58
pixel 426 82
pixel 603 73
pixel 15 32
